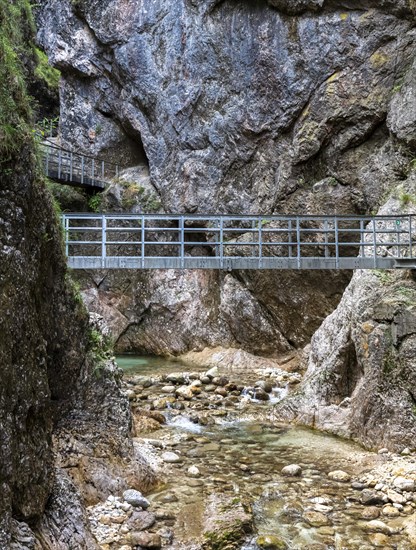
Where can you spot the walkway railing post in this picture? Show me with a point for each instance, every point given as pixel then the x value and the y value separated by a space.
pixel 71 160
pixel 336 243
pixel 221 242
pixel 82 169
pixel 182 240
pixel 326 239
pixel 260 243
pixel 289 240
pixel 375 243
pixel 143 237
pixel 398 228
pixel 410 237
pixel 298 250
pixel 103 240
pixel 66 233
pixel 362 239
pixel 92 169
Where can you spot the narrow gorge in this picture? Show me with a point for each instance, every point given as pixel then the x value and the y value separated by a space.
pixel 235 381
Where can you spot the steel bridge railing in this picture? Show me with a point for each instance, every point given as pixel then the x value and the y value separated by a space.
pixel 112 241
pixel 71 168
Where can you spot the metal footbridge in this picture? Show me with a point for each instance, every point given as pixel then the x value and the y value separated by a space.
pixel 69 168
pixel 167 241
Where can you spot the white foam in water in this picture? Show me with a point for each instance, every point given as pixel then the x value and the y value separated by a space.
pixel 184 423
pixel 278 394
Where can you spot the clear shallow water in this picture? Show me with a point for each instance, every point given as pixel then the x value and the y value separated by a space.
pixel 242 453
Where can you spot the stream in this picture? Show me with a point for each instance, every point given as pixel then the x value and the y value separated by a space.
pixel 229 448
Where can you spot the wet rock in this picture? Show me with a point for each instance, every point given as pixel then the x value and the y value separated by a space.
pixel 377 526
pixel 261 395
pixel 369 497
pixel 271 542
pixel 193 471
pixel 226 523
pixel 135 498
pixel 379 540
pixel 370 512
pixel 167 389
pixel 339 475
pixel 146 540
pixel 185 392
pixel 212 373
pixel 316 519
pixel 171 458
pixel 390 512
pixel 140 520
pixel 221 391
pixel 292 470
pixel 404 484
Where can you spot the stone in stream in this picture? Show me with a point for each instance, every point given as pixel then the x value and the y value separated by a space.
pixel 193 471
pixel 271 542
pixel 292 470
pixel 369 497
pixel 404 484
pixel 139 520
pixel 185 392
pixel 135 498
pixel 146 540
pixel 264 385
pixel 316 519
pixel 339 475
pixel 377 526
pixel 371 512
pixel 212 373
pixel 171 458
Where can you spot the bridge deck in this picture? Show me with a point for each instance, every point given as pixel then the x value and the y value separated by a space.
pixel 239 242
pixel 70 168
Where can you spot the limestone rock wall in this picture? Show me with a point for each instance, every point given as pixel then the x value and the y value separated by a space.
pixel 235 107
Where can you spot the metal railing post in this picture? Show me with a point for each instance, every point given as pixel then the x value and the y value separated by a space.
pixel 298 250
pixel 103 240
pixel 326 238
pixel 82 169
pixel 289 237
pixel 336 243
pixel 47 161
pixel 221 242
pixel 410 237
pixel 182 241
pixel 66 232
pixel 260 243
pixel 398 229
pixel 375 242
pixel 362 238
pixel 71 160
pixel 143 237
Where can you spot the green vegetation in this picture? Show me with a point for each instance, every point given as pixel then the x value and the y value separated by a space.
pixel 135 194
pixel 95 202
pixel 100 349
pixel 16 30
pixel 44 71
pixel 385 277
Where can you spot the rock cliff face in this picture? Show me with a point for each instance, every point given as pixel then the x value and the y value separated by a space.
pixel 361 375
pixel 48 383
pixel 279 106
pixel 236 107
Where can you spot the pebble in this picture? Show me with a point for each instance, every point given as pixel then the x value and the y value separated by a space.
pixel 293 470
pixel 369 497
pixel 146 540
pixel 316 519
pixel 404 484
pixel 212 373
pixel 171 458
pixel 390 511
pixel 135 498
pixel 193 471
pixel 370 512
pixel 339 475
pixel 377 526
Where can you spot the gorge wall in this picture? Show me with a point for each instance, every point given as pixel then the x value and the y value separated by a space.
pixel 234 107
pixel 303 106
pixel 54 404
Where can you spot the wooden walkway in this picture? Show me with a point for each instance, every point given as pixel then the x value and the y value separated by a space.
pixel 239 242
pixel 70 168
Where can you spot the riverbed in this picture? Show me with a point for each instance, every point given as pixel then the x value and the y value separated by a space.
pixel 219 452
